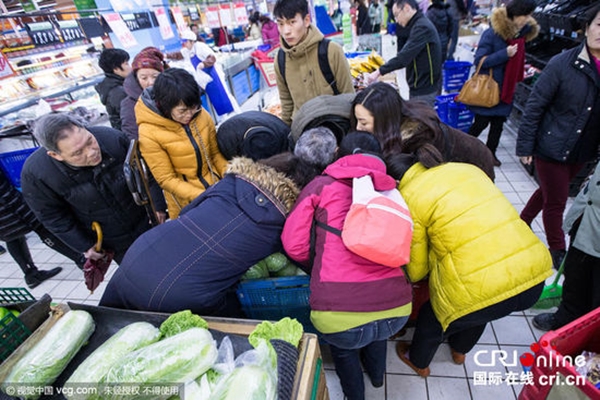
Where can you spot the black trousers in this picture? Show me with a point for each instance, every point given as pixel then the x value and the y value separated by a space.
pixel 496 124
pixel 463 333
pixel 581 287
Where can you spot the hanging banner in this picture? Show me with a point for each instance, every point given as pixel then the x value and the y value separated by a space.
pixel 5 68
pixel 212 17
pixel 179 21
pixel 163 22
pixel 225 15
pixel 120 29
pixel 241 16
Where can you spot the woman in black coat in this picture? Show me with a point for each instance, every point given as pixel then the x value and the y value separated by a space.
pixel 195 261
pixel 17 220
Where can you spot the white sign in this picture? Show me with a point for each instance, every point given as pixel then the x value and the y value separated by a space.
pixel 179 21
pixel 120 29
pixel 163 22
pixel 212 17
pixel 225 15
pixel 241 15
pixel 5 69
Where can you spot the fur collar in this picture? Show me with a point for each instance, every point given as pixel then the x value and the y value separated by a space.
pixel 266 178
pixel 411 127
pixel 506 29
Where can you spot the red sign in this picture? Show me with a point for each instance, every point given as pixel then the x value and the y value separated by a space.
pixel 5 68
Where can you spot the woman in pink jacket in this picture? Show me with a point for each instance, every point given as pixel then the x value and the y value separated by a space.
pixel 355 304
pixel 270 32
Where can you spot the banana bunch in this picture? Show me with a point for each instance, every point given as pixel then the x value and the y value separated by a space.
pixel 361 65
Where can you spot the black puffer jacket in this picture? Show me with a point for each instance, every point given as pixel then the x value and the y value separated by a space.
pixel 419 51
pixel 111 93
pixel 560 106
pixel 67 200
pixel 16 219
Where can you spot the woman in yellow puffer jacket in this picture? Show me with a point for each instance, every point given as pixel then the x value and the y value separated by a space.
pixel 482 260
pixel 178 139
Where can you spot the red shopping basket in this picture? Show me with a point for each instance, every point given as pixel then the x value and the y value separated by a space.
pixel 553 373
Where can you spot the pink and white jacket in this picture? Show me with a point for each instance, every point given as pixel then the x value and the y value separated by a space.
pixel 341 280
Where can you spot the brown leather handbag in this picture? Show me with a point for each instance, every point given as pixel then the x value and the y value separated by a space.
pixel 480 90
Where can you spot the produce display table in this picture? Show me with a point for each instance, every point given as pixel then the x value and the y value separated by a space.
pixel 309 381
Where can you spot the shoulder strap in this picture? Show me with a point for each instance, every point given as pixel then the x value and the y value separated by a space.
pixel 313 237
pixel 325 67
pixel 281 63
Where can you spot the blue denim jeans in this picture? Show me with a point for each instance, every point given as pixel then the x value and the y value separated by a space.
pixel 366 343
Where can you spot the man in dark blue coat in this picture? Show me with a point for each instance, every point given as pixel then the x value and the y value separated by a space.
pixel 195 261
pixel 77 178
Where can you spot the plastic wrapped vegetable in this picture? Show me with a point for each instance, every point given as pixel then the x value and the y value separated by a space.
pixel 249 382
pixel 176 359
pixel 96 365
pixel 253 378
pixel 289 270
pixel 181 321
pixel 45 361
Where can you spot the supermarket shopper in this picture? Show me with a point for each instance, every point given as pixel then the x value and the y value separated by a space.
pixel 146 66
pixel 581 287
pixel 482 260
pixel 400 125
pixel 178 139
pixel 418 51
pixel 303 78
pixel 559 131
pixel 204 62
pixel 440 15
pixel 76 178
pixel 115 64
pixel 269 31
pixel 355 304
pixel 503 45
pixel 195 261
pixel 16 220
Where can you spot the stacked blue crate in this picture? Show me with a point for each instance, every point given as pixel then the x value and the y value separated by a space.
pixel 456 115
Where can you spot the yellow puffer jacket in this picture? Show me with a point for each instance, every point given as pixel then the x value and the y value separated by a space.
pixel 171 157
pixel 469 239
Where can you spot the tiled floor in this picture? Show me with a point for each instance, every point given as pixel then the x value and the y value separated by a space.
pixel 447 380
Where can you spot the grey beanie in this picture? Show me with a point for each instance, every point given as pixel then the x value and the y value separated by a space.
pixel 316 146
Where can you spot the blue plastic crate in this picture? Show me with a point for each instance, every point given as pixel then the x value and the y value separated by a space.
pixel 441 106
pixel 455 74
pixel 459 116
pixel 12 164
pixel 276 298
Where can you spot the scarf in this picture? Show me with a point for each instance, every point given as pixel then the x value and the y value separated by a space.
pixel 514 72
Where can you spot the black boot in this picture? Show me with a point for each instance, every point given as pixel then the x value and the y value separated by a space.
pixel 557 257
pixel 34 277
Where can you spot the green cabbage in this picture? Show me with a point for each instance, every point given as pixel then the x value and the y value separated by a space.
pixel 276 261
pixel 249 382
pixel 176 359
pixel 257 271
pixel 286 329
pixel 94 368
pixel 289 270
pixel 45 361
pixel 181 321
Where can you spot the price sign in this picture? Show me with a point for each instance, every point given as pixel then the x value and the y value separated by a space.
pixel 120 29
pixel 212 17
pixel 225 15
pixel 241 15
pixel 163 22
pixel 179 21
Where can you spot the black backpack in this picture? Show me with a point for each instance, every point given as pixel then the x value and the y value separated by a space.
pixel 323 65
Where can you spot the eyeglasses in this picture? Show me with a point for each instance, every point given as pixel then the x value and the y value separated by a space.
pixel 182 112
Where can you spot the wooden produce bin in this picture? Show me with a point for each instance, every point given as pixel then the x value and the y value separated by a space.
pixel 309 381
